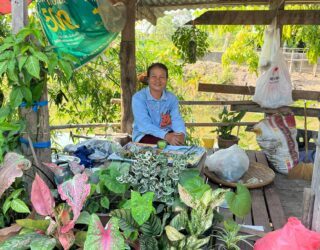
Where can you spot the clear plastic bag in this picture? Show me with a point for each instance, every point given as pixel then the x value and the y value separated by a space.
pixel 112 15
pixel 293 236
pixel 274 88
pixel 229 164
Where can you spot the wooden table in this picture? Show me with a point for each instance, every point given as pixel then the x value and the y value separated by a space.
pixel 266 209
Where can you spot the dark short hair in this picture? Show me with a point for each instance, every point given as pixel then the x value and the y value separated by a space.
pixel 157 65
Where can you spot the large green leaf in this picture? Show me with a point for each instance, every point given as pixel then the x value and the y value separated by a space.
pixel 53 62
pixel 3 67
pixel 126 223
pixel 196 187
pixel 4 111
pixel 37 91
pixel 109 178
pixel 27 94
pixel 6 126
pixel 41 56
pixel 6 205
pixel 148 243
pixel 188 174
pixel 21 61
pixel 12 73
pixel 239 202
pixel 152 227
pixel 141 206
pixel 33 67
pixel 43 243
pixel 16 97
pixel 80 238
pixel 20 242
pixel 84 218
pixel 180 221
pixel 15 194
pixel 5 46
pixel 19 206
pixel 104 202
pixel 34 224
pixel 66 68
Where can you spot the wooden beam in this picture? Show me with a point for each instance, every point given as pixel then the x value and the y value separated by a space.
pixel 218 124
pixel 258 17
pixel 249 90
pixel 92 125
pixel 128 68
pixel 147 13
pixel 253 107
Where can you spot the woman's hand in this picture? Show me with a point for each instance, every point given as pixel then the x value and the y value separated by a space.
pixel 175 139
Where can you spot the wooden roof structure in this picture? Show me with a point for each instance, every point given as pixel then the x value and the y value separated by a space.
pixel 153 9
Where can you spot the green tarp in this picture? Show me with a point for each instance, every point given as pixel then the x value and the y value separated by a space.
pixel 74 27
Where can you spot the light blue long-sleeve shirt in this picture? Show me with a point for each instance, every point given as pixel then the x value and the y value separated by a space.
pixel 147 113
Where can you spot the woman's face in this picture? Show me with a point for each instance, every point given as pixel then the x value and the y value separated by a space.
pixel 157 80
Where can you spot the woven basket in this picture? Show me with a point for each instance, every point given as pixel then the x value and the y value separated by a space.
pixel 258 175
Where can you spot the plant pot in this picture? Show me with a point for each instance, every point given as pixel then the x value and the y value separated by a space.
pixel 226 143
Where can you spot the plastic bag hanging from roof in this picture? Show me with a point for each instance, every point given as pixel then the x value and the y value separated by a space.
pixel 112 15
pixel 5 6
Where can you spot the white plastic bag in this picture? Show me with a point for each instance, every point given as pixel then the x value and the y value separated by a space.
pixel 229 164
pixel 266 51
pixel 276 136
pixel 274 88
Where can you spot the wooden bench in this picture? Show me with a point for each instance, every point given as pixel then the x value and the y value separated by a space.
pixel 266 209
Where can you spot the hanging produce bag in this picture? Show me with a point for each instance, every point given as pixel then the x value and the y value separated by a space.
pixel 112 15
pixel 74 27
pixel 274 87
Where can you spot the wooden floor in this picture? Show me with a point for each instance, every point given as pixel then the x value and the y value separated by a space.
pixel 272 204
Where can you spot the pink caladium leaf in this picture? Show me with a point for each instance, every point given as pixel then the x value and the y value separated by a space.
pixel 108 238
pixel 66 239
pixel 12 167
pixel 41 197
pixel 76 168
pixel 75 192
pixel 57 170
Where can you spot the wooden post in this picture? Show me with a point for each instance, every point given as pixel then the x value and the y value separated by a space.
pixel 37 123
pixel 19 14
pixel 315 186
pixel 308 204
pixel 278 5
pixel 128 67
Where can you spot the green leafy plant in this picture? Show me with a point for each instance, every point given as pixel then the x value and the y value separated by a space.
pixel 151 172
pixel 229 236
pixel 26 62
pixel 108 192
pixel 138 221
pixel 191 43
pixel 240 201
pixel 187 229
pixel 227 116
pixel 13 196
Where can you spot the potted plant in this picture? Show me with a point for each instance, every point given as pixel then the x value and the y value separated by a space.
pixel 225 138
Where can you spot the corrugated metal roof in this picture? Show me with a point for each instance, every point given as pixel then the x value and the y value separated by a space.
pixel 152 9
